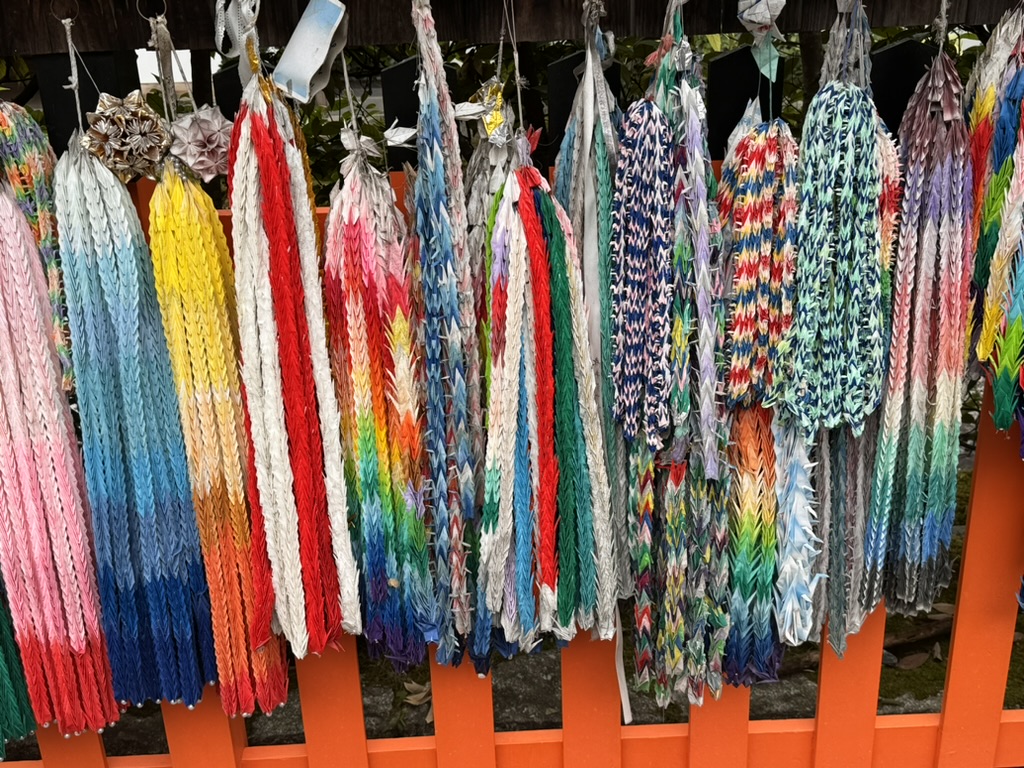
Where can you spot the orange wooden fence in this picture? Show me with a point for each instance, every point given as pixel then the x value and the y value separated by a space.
pixel 972 730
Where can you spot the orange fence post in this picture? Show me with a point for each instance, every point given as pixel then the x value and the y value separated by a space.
pixel 332 708
pixel 463 716
pixel 986 611
pixel 85 751
pixel 591 708
pixel 844 734
pixel 203 737
pixel 719 730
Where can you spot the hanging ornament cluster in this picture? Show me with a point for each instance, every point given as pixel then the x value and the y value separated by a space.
pixel 127 136
pixel 915 481
pixel 193 274
pixel 46 555
pixel 293 411
pixel 155 603
pixel 546 544
pixel 201 140
pixel 377 370
pixel 28 162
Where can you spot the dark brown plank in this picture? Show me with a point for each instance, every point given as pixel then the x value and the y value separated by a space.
pixel 27 26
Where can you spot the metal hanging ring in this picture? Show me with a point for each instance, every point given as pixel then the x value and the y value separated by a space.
pixel 138 9
pixel 53 11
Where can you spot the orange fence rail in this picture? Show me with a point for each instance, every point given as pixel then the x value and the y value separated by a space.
pixel 972 730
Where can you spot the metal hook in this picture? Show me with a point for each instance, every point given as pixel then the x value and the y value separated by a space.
pixel 53 11
pixel 138 9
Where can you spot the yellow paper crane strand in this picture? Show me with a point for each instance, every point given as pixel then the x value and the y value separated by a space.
pixel 193 278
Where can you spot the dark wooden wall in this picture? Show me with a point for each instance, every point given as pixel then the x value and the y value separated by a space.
pixel 28 27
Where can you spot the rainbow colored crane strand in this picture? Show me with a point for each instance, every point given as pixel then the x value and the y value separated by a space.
pixel 156 607
pixel 46 554
pixel 1009 360
pixel 194 284
pixel 697 214
pixel 753 653
pixel 27 162
pixel 985 98
pixel 914 495
pixel 371 344
pixel 773 501
pixel 294 417
pixel 642 283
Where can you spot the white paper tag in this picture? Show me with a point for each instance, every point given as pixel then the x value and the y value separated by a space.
pixel 305 65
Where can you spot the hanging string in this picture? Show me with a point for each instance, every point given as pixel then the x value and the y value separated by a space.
pixel 72 84
pixel 940 23
pixel 509 12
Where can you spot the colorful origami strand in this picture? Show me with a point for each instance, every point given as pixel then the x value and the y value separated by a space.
pixel 16 720
pixel 641 326
pixel 194 284
pixel 753 653
pixel 293 410
pixel 486 172
pixel 584 180
pixel 505 475
pixel 1010 342
pixel 46 554
pixel 914 495
pixel 795 582
pixel 758 207
pixel 682 600
pixel 993 264
pixel 152 584
pixel 28 162
pixel 757 204
pixel 761 213
pixel 985 96
pixel 558 537
pixel 699 241
pixel 838 340
pixel 368 308
pixel 451 349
